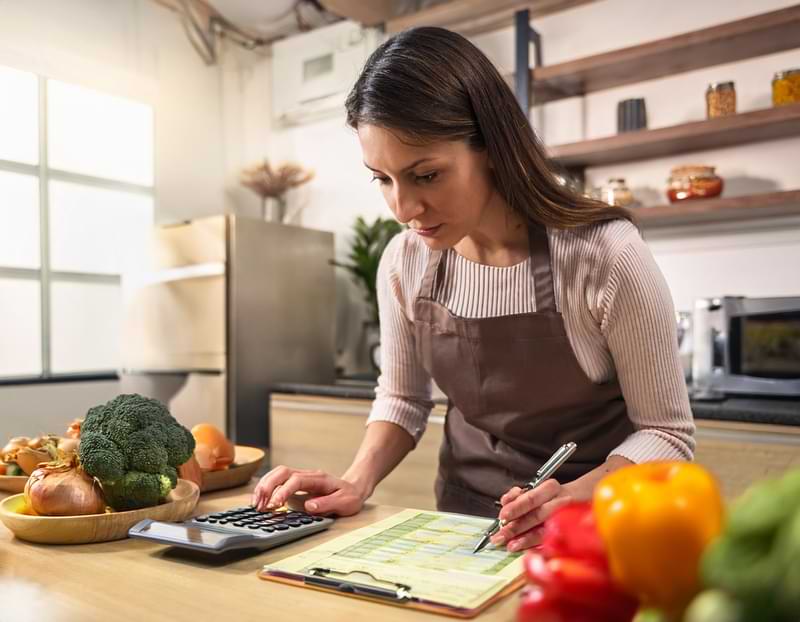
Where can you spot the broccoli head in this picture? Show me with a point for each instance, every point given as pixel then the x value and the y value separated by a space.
pixel 137 490
pixel 133 446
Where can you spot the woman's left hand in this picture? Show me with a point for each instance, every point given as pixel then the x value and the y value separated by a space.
pixel 525 512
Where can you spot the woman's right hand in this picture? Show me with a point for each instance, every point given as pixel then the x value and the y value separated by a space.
pixel 328 494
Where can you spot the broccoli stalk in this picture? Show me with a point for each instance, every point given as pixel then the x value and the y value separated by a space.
pixel 133 446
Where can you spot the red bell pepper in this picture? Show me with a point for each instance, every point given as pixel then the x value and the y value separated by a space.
pixel 570 573
pixel 539 606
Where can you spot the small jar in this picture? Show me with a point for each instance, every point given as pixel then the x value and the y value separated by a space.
pixel 720 99
pixel 786 87
pixel 693 182
pixel 616 193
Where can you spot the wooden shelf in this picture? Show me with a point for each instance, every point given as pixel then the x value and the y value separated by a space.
pixel 473 17
pixel 772 204
pixel 739 129
pixel 766 33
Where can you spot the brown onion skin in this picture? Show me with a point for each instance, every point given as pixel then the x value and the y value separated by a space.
pixel 63 492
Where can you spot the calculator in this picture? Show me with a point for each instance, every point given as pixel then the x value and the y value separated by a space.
pixel 239 528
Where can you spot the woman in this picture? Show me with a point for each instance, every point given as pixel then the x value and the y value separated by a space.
pixel 540 314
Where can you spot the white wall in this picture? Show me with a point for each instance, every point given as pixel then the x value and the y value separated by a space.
pixel 136 49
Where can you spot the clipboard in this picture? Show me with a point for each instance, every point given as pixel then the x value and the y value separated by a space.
pixel 369 585
pixel 395 594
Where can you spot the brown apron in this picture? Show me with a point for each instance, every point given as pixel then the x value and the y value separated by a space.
pixel 515 393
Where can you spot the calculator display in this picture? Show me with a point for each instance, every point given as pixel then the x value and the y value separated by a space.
pixel 184 533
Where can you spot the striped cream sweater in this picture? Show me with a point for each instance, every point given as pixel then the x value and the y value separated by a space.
pixel 617 310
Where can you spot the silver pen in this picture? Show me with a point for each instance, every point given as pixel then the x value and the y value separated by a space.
pixel 548 468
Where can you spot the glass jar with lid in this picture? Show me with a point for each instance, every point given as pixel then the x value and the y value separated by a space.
pixel 615 192
pixel 786 87
pixel 720 99
pixel 693 182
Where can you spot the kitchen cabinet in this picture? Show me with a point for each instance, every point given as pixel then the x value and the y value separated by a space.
pixel 320 432
pixel 740 453
pixel 313 432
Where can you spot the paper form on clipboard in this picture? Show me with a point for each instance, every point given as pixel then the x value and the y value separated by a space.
pixel 416 558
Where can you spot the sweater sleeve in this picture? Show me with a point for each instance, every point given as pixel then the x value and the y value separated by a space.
pixel 403 394
pixel 639 326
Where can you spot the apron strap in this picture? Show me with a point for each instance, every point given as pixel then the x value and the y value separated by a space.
pixel 541 268
pixel 429 280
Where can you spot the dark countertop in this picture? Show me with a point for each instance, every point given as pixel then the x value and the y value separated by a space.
pixel 774 411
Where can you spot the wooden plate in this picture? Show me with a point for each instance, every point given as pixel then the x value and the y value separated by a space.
pixel 12 483
pixel 245 464
pixel 94 527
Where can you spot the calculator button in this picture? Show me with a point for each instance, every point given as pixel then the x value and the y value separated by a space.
pixel 212 521
pixel 223 521
pixel 238 524
pixel 201 519
pixel 293 523
pixel 282 527
pixel 268 529
pixel 254 526
pixel 306 520
pixel 317 519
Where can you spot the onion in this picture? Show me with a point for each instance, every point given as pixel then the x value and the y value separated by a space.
pixel 15 443
pixel 63 489
pixel 28 459
pixel 68 445
pixel 74 429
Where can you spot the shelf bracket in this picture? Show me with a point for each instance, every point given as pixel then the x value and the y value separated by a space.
pixel 524 35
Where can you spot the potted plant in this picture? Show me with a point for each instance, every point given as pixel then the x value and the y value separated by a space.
pixel 369 242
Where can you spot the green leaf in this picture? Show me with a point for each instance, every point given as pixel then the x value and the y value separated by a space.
pixel 369 243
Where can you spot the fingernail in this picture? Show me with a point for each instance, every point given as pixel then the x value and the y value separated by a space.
pixel 513 546
pixel 312 506
pixel 497 540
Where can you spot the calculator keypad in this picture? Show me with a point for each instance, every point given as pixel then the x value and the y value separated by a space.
pixel 250 520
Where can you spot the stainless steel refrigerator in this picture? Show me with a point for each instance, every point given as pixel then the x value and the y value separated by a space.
pixel 229 306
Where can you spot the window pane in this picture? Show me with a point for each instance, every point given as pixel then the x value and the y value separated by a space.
pixel 19 116
pixel 19 220
pixel 85 324
pixel 96 230
pixel 100 135
pixel 20 328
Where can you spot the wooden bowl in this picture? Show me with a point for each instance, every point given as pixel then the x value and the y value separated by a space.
pixel 12 483
pixel 245 464
pixel 94 527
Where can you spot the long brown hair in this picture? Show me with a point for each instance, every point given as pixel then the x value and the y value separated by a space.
pixel 432 84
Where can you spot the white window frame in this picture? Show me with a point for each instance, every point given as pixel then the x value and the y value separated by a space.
pixel 45 275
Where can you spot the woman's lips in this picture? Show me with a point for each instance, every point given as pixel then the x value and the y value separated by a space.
pixel 428 231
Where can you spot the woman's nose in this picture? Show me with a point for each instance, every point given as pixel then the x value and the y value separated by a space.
pixel 407 205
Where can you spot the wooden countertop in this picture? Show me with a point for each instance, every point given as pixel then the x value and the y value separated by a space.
pixel 135 580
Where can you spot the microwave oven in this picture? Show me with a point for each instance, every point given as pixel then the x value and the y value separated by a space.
pixel 746 346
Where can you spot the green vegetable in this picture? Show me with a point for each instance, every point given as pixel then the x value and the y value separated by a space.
pixel 756 561
pixel 14 470
pixel 650 615
pixel 713 606
pixel 133 446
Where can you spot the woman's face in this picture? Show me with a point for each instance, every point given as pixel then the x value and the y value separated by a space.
pixel 441 190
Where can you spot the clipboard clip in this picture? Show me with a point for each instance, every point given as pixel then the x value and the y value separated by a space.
pixel 322 577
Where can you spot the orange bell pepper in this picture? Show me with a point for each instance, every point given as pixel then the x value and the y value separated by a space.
pixel 656 519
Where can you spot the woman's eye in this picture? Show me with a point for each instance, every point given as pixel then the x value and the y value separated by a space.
pixel 381 180
pixel 426 179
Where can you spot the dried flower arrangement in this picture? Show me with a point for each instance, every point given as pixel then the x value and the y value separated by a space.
pixel 273 183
